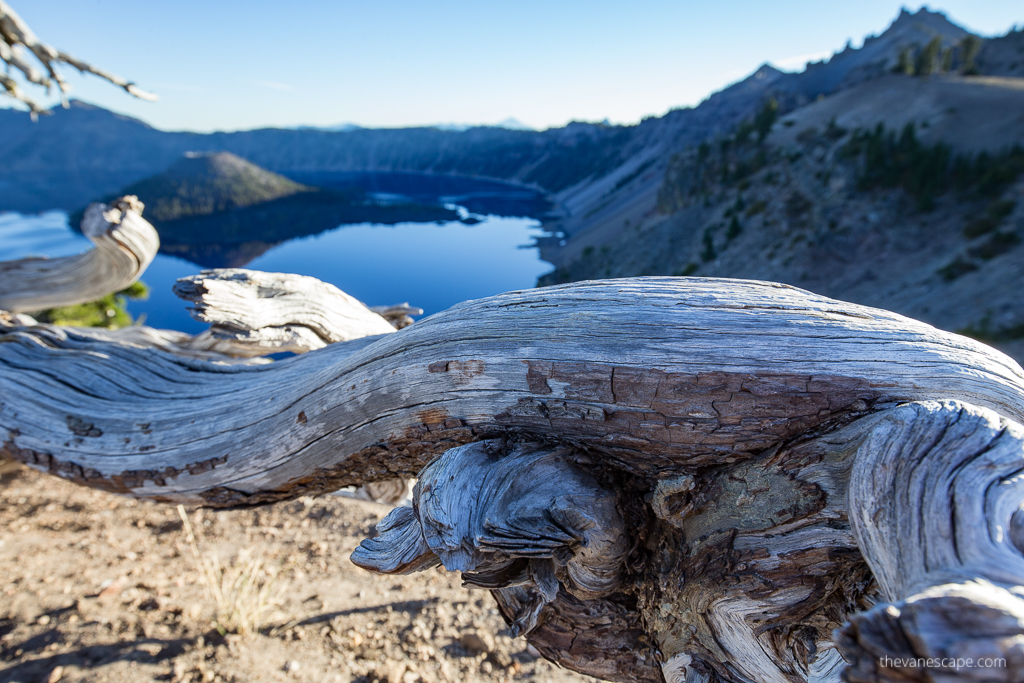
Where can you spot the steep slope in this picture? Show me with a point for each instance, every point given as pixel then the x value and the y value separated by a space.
pixel 1003 56
pixel 972 114
pixel 600 209
pixel 928 225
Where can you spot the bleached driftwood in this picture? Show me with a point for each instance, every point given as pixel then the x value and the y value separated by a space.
pixel 125 245
pixel 16 38
pixel 399 315
pixel 679 479
pixel 252 313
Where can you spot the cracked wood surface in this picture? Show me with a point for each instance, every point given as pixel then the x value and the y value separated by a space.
pixel 252 313
pixel 125 245
pixel 650 374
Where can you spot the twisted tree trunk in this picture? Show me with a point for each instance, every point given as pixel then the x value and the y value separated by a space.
pixel 685 479
pixel 125 245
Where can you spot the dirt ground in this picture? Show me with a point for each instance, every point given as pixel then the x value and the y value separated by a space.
pixel 96 587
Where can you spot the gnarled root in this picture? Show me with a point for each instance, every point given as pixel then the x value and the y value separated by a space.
pixel 525 517
pixel 935 498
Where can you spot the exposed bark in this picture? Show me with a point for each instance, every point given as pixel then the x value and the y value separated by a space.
pixel 742 572
pixel 662 374
pixel 125 245
pixel 527 517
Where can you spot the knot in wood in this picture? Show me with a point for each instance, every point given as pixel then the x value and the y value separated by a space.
pixel 527 517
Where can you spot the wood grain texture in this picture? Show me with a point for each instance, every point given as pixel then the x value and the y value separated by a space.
pixel 125 245
pixel 649 374
pixel 535 525
pixel 936 498
pixel 510 515
pixel 252 313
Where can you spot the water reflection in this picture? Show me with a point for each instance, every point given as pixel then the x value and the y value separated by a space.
pixel 430 265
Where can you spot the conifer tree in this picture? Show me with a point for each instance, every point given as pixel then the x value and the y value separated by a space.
pixel 905 65
pixel 927 59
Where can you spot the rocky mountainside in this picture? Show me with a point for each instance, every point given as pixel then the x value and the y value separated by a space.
pixel 900 193
pixel 76 155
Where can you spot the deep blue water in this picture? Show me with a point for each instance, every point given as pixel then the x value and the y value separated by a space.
pixel 430 265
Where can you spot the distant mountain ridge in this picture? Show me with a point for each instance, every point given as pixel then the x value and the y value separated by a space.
pixel 79 154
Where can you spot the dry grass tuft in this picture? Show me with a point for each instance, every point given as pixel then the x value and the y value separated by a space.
pixel 245 593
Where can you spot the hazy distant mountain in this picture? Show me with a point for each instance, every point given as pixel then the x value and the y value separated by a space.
pixel 513 124
pixel 339 128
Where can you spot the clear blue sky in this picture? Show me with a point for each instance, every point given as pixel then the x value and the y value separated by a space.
pixel 235 65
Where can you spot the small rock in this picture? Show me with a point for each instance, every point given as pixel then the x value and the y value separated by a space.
pixel 43 620
pixel 56 674
pixel 477 641
pixel 500 659
pixel 394 671
pixel 291 666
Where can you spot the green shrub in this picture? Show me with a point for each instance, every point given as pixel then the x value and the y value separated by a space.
pixel 109 311
pixel 734 229
pixel 928 58
pixel 983 332
pixel 757 207
pixel 709 252
pixel 889 161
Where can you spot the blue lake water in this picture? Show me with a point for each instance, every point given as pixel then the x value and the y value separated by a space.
pixel 430 265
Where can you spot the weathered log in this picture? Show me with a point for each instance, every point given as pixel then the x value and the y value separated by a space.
pixel 748 568
pixel 661 374
pixel 125 245
pixel 399 315
pixel 706 429
pixel 528 517
pixel 252 313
